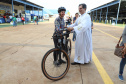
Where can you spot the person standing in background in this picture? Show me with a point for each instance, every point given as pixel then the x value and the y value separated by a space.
pixel 74 33
pixel 91 26
pixel 14 21
pixel 10 17
pixel 75 18
pixel 5 18
pixel 37 19
pixel 34 20
pixel 22 18
pixel 69 21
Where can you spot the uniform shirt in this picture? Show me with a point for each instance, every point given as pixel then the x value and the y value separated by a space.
pixel 10 17
pixel 14 18
pixel 59 24
pixel 74 19
pixel 22 18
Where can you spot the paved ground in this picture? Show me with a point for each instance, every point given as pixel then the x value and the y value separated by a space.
pixel 22 49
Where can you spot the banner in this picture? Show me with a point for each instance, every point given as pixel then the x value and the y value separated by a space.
pixel 2 11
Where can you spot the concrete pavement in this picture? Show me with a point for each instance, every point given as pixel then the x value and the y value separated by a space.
pixel 23 47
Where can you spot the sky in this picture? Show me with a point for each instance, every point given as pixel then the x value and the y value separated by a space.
pixel 71 5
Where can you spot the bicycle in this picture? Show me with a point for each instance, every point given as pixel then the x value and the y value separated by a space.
pixel 56 70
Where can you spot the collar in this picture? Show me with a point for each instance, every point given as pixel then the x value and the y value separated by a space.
pixel 83 14
pixel 60 18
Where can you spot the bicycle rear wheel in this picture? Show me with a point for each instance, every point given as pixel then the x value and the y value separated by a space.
pixel 55 70
pixel 69 47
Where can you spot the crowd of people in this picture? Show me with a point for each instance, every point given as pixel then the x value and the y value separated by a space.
pixel 13 19
pixel 6 17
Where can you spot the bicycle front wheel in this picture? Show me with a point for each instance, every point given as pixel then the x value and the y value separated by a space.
pixel 55 64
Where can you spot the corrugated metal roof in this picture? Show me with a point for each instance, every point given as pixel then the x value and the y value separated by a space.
pixel 105 5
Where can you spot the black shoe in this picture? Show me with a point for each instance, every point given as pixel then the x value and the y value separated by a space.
pixel 62 61
pixel 56 63
pixel 74 63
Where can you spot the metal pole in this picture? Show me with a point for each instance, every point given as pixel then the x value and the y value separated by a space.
pixel 93 16
pixel 106 15
pixel 100 15
pixel 33 13
pixel 112 20
pixel 25 12
pixel 96 16
pixel 38 13
pixel 118 11
pixel 12 8
pixel 42 14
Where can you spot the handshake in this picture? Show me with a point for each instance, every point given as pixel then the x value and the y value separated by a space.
pixel 69 28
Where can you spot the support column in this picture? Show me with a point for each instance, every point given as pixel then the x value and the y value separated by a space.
pixel 33 13
pixel 42 14
pixel 38 13
pixel 12 8
pixel 25 12
pixel 118 12
pixel 106 15
pixel 96 16
pixel 93 16
pixel 100 16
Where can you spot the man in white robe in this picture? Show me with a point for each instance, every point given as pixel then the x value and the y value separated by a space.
pixel 83 44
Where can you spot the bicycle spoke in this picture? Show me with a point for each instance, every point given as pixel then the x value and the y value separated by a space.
pixel 53 69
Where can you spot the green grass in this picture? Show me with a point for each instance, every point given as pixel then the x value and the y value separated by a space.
pixel 119 25
pixel 8 24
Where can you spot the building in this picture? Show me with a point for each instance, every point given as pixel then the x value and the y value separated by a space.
pixel 18 8
pixel 112 12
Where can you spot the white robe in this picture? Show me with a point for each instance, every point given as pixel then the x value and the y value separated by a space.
pixel 83 44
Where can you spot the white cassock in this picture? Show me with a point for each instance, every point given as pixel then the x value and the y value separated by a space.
pixel 83 44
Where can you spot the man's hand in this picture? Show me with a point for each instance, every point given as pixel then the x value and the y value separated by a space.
pixel 124 50
pixel 92 27
pixel 70 28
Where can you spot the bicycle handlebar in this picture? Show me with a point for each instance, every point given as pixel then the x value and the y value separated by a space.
pixel 62 34
pixel 63 29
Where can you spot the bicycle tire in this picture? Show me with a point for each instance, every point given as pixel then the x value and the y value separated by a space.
pixel 43 65
pixel 69 47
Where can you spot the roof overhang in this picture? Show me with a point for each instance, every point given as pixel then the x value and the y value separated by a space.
pixel 106 5
pixel 29 4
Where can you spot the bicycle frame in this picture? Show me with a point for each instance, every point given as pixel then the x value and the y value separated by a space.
pixel 62 44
